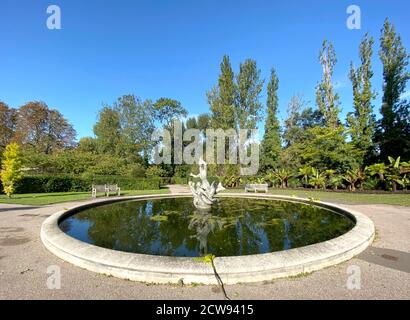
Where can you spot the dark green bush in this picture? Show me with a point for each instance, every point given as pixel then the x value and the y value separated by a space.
pixel 68 183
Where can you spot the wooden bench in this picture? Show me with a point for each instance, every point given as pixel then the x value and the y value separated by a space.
pixel 106 189
pixel 256 187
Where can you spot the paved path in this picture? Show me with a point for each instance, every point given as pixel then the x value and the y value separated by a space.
pixel 178 188
pixel 384 267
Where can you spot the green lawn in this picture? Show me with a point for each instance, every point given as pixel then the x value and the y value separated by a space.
pixel 344 197
pixel 51 198
pixel 338 197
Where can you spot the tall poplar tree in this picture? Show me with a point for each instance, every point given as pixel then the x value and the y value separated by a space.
pixel 249 86
pixel 361 121
pixel 271 143
pixel 222 98
pixel 326 99
pixel 393 133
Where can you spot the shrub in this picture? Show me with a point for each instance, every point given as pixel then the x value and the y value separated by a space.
pixel 179 180
pixel 69 183
pixel 155 171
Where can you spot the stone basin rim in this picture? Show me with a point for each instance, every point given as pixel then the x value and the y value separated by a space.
pixel 232 269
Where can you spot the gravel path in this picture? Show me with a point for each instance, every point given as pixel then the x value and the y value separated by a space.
pixel 384 267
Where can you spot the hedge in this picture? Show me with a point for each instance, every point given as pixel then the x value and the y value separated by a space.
pixel 68 183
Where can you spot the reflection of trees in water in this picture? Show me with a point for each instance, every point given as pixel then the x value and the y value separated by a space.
pixel 233 227
pixel 202 222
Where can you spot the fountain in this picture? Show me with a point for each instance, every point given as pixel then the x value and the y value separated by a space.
pixel 204 192
pixel 157 238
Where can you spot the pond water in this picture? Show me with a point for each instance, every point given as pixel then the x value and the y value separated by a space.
pixel 234 226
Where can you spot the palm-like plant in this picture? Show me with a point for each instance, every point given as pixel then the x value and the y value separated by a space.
pixel 361 177
pixel 351 178
pixel 394 173
pixel 270 177
pixel 379 169
pixel 305 172
pixel 283 176
pixel 335 181
pixel 317 179
pixel 232 181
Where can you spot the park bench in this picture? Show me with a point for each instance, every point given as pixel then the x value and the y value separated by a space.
pixel 256 187
pixel 106 189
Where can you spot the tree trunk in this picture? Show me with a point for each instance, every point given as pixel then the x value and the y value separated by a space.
pixel 394 186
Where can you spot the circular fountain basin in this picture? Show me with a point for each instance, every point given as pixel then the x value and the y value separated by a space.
pixel 158 238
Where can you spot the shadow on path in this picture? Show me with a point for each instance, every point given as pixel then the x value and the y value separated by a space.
pixel 389 258
pixel 17 208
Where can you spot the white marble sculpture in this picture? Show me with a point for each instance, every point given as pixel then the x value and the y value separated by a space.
pixel 204 192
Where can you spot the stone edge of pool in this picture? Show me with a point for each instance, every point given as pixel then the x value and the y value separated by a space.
pixel 236 269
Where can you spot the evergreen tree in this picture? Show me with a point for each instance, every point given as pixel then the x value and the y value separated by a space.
pixel 361 122
pixel 393 132
pixel 327 101
pixel 271 143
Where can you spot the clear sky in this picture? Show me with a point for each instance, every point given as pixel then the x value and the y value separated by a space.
pixel 173 48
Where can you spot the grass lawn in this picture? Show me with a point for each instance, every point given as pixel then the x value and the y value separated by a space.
pixel 344 197
pixel 51 198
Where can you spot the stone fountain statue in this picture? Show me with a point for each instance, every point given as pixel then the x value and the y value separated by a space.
pixel 204 192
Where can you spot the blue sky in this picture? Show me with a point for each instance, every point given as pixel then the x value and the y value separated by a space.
pixel 173 48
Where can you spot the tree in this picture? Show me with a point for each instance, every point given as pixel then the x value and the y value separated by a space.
pixel 326 148
pixel 137 123
pixel 327 101
pixel 7 124
pixel 11 168
pixel 361 122
pixel 43 128
pixel 393 132
pixel 87 144
pixel 271 143
pixel 167 109
pixel 249 86
pixel 222 98
pixel 108 131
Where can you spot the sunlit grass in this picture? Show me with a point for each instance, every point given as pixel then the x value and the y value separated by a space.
pixel 52 198
pixel 343 197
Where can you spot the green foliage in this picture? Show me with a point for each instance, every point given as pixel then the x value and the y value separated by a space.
pixel 327 149
pixel 205 259
pixel 393 132
pixel 248 88
pixel 361 122
pixel 69 183
pixel 108 131
pixel 271 143
pixel 155 171
pixel 11 168
pixel 327 101
pixel 222 98
pixel 282 176
pixel 317 179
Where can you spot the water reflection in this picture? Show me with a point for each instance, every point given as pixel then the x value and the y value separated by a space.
pixel 174 227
